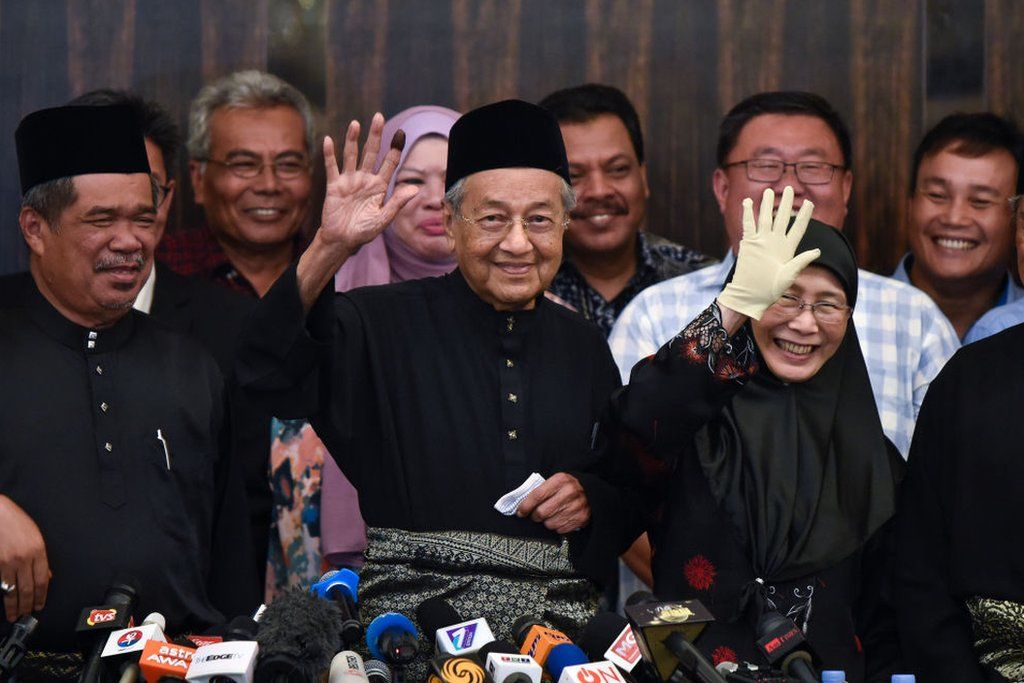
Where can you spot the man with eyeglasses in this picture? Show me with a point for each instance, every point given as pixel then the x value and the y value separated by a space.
pixel 965 172
pixel 442 398
pixel 250 147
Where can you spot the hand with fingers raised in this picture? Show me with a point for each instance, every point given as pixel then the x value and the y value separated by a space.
pixel 767 262
pixel 354 208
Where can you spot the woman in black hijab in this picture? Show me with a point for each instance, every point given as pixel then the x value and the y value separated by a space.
pixel 767 477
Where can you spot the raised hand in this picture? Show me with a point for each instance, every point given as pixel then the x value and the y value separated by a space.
pixel 354 208
pixel 767 263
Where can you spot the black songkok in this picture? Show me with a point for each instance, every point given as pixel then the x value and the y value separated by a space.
pixel 69 141
pixel 508 134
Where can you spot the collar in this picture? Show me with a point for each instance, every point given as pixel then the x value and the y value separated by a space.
pixel 73 335
pixel 902 272
pixel 483 311
pixel 1010 292
pixel 144 301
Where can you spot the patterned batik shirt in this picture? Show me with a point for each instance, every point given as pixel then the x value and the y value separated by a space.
pixel 658 259
pixel 903 335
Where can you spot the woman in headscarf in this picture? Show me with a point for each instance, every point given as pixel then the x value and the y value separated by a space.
pixel 413 246
pixel 766 474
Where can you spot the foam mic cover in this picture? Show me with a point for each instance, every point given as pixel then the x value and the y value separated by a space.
pixel 298 635
pixel 377 671
pixel 347 667
pixel 453 634
pixel 783 644
pixel 241 628
pixel 393 638
pixel 342 587
pixel 14 648
pixel 564 655
pixel 456 670
pixel 609 636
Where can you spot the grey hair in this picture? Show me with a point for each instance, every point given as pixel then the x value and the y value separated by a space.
pixel 243 89
pixel 457 192
pixel 49 199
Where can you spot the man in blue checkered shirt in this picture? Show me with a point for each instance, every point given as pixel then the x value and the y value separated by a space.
pixel 775 139
pixel 792 138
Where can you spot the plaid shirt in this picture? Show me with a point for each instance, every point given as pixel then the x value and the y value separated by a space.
pixel 196 252
pixel 658 259
pixel 903 335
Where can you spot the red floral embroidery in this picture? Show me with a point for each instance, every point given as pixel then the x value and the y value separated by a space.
pixel 723 654
pixel 699 572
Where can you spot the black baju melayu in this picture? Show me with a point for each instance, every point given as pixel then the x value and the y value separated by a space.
pixel 79 452
pixel 763 495
pixel 958 525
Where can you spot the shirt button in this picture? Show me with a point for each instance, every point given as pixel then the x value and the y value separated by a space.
pixel 109 446
pixel 512 436
pixel 512 398
pixel 91 344
pixel 509 363
pixel 104 406
pixel 511 322
pixel 99 369
pixel 92 335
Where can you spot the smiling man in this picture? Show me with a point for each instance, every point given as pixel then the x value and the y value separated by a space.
pixel 250 147
pixel 965 171
pixel 111 456
pixel 609 258
pixel 439 396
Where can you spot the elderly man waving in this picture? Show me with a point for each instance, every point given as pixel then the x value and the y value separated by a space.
pixel 439 396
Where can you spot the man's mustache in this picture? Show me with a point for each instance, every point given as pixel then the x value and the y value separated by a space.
pixel 120 261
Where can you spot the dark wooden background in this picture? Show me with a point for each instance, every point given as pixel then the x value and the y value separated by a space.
pixel 891 68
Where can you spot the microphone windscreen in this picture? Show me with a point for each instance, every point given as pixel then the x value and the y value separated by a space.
pixel 521 627
pixel 377 671
pixel 433 614
pixel 500 646
pixel 389 622
pixel 302 626
pixel 641 598
pixel 599 633
pixel 562 656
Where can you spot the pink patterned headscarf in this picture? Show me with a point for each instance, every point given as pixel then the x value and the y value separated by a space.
pixel 387 258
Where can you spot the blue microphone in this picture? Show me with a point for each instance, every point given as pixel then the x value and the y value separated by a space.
pixel 393 638
pixel 342 588
pixel 562 656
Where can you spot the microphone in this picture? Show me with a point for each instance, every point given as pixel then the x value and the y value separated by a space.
pixel 377 671
pixel 347 667
pixel 298 635
pixel 228 662
pixel 604 672
pixel 161 660
pixel 562 657
pixel 456 670
pixel 536 639
pixel 123 648
pixel 341 587
pixel 453 634
pixel 692 662
pixel 783 644
pixel 504 664
pixel 96 623
pixel 609 636
pixel 393 638
pixel 15 646
pixel 653 621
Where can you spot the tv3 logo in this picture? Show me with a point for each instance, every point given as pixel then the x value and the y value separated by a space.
pixel 101 616
pixel 462 637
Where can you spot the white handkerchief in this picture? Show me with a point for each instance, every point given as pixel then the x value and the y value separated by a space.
pixel 509 503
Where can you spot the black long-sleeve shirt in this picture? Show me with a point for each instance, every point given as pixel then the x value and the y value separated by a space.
pixel 435 404
pixel 79 415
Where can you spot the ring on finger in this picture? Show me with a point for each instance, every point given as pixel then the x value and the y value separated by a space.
pixel 7 588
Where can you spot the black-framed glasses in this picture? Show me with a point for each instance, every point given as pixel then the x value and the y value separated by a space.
pixel 163 192
pixel 284 169
pixel 498 224
pixel 772 170
pixel 825 312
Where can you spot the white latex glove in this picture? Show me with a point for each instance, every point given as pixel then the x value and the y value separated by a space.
pixel 765 264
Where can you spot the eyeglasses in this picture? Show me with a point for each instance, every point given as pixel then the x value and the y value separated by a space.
pixel 284 169
pixel 772 170
pixel 499 225
pixel 824 312
pixel 163 191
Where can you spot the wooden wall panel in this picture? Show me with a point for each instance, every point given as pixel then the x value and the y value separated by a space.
pixel 683 63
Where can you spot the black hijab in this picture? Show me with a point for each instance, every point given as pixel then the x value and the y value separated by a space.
pixel 803 469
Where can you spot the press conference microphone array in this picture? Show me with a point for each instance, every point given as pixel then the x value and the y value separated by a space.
pixel 783 644
pixel 97 622
pixel 505 664
pixel 347 667
pixel 393 638
pixel 453 634
pixel 653 621
pixel 342 587
pixel 298 635
pixel 16 644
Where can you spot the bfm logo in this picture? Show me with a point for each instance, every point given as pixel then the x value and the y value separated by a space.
pixel 130 638
pixel 101 616
pixel 462 637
